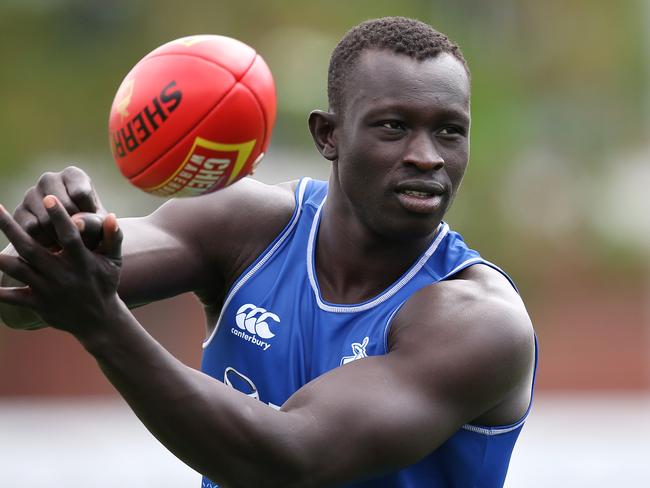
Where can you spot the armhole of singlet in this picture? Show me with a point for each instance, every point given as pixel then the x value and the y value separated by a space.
pixel 479 429
pixel 389 324
pixel 490 430
pixel 479 260
pixel 504 429
pixel 264 257
pixel 465 264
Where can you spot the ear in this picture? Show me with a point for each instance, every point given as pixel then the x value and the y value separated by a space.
pixel 321 126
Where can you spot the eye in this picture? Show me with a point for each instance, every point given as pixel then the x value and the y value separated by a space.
pixel 392 124
pixel 451 130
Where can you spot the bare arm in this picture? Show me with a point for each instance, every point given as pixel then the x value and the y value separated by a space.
pixel 198 244
pixel 390 410
pixel 455 354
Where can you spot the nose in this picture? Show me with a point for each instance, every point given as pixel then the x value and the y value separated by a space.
pixel 422 153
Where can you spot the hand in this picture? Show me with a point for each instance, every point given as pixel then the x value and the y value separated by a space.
pixel 75 191
pixel 72 289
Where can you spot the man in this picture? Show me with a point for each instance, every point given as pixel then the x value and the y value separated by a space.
pixel 369 345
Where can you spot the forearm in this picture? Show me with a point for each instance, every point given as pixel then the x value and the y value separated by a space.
pixel 143 279
pixel 225 435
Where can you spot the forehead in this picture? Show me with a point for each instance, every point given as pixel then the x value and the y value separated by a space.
pixel 384 77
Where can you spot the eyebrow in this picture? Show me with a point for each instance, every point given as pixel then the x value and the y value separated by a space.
pixel 449 111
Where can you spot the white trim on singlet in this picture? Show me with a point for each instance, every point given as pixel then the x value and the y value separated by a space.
pixel 279 240
pixel 504 429
pixel 388 325
pixel 442 231
pixel 495 430
pixel 483 430
pixel 461 266
pixel 479 260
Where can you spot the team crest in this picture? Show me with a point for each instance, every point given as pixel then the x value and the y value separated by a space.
pixel 358 352
pixel 240 382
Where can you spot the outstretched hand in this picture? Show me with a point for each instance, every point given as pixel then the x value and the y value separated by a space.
pixel 72 289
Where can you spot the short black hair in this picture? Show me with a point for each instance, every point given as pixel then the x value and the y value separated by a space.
pixel 398 34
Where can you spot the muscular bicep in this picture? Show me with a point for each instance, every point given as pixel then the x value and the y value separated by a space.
pixel 200 244
pixel 369 417
pixel 444 370
pixel 157 263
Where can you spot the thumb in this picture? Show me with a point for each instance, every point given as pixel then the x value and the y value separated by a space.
pixel 111 245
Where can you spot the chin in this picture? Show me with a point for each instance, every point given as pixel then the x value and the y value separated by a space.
pixel 409 229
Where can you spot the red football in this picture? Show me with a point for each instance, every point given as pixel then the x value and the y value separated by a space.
pixel 193 116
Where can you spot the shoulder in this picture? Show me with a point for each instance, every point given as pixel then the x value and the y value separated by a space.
pixel 475 330
pixel 472 298
pixel 231 226
pixel 479 302
pixel 246 206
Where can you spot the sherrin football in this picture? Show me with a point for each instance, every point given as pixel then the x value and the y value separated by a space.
pixel 193 116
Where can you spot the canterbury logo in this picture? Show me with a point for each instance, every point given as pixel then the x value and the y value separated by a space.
pixel 255 320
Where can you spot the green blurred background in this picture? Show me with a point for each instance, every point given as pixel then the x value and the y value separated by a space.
pixel 556 193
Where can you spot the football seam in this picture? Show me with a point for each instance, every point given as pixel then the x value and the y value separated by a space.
pixel 257 99
pixel 180 139
pixel 209 60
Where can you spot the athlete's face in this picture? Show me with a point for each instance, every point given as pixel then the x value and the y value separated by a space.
pixel 402 140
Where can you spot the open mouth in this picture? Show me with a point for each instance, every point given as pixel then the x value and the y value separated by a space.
pixel 421 197
pixel 417 194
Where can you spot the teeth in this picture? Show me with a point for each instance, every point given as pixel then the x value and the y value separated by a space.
pixel 414 193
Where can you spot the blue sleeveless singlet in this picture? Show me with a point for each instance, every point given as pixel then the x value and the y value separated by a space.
pixel 276 333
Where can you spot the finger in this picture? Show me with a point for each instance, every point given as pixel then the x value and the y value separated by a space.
pixel 29 223
pixel 33 203
pixel 17 269
pixel 23 243
pixel 67 233
pixel 112 238
pixel 90 226
pixel 80 189
pixel 52 184
pixel 20 296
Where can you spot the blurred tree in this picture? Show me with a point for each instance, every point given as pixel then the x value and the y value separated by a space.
pixel 557 91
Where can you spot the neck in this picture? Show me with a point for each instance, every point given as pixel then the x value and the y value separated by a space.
pixel 353 263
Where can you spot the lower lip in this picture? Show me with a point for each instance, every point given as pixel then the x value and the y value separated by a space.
pixel 422 205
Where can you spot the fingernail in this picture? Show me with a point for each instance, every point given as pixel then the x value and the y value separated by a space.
pixel 115 227
pixel 49 201
pixel 80 224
